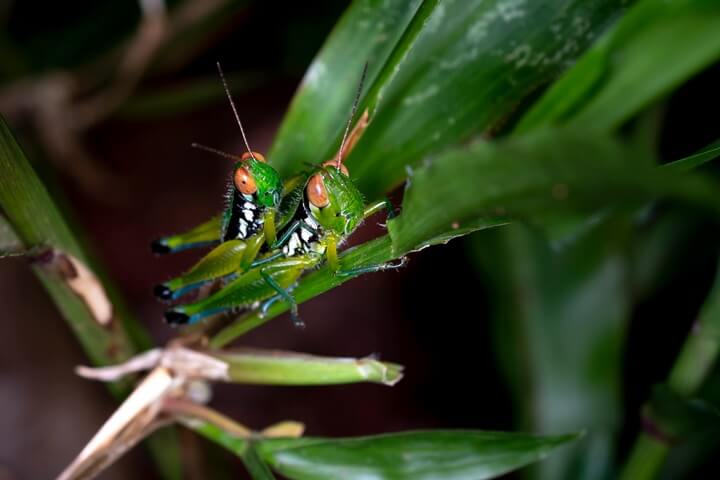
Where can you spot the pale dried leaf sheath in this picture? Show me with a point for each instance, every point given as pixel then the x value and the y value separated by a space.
pixel 183 362
pixel 136 412
pixel 144 361
pixel 189 363
pixel 82 282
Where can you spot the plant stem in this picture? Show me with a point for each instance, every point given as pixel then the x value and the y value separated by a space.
pixel 36 221
pixel 692 367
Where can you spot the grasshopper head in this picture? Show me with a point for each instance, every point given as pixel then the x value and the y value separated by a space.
pixel 334 200
pixel 253 177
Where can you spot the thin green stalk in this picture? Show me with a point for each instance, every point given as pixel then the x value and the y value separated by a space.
pixel 36 221
pixel 698 356
pixel 258 469
pixel 276 367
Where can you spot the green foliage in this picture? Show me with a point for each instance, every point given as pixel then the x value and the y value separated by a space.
pixel 653 49
pixel 527 177
pixel 38 224
pixel 285 368
pixel 444 79
pixel 453 69
pixel 419 455
pixel 447 454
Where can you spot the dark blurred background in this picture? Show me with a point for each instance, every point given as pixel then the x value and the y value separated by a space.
pixel 129 175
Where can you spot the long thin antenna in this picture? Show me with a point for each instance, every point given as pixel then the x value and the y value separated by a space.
pixel 341 152
pixel 215 151
pixel 232 104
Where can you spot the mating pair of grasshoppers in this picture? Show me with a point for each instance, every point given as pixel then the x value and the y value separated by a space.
pixel 271 231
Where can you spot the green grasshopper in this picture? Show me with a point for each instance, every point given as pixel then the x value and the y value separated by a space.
pixel 248 221
pixel 330 210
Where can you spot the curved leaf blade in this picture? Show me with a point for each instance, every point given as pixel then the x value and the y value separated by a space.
pixel 418 455
pixel 468 69
pixel 531 178
pixel 367 32
pixel 455 68
pixel 528 177
pixel 652 49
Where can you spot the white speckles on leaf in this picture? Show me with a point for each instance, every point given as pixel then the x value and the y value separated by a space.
pixel 581 25
pixel 507 11
pixel 435 20
pixel 511 10
pixel 466 56
pixel 519 56
pixel 421 96
pixel 315 74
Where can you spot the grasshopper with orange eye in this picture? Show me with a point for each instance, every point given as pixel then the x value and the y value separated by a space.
pixel 248 222
pixel 330 209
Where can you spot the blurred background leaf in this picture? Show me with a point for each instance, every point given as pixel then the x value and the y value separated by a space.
pixel 456 68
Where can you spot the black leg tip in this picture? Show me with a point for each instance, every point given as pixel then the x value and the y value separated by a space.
pixel 159 248
pixel 173 317
pixel 162 292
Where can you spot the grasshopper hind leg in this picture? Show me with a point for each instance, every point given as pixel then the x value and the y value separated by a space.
pixel 224 260
pixel 282 294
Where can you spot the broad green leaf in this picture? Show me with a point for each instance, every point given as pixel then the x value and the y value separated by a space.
pixel 367 32
pixel 519 179
pixel 453 69
pixel 529 176
pixel 652 50
pixel 409 455
pixel 559 316
pixel 288 368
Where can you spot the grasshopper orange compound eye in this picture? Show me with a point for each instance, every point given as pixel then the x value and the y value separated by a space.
pixel 316 192
pixel 244 182
pixel 258 156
